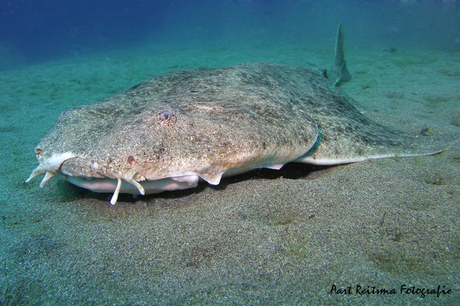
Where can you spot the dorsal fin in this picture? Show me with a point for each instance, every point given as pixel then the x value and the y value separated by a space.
pixel 339 72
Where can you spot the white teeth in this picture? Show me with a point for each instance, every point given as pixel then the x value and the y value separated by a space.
pixel 48 175
pixel 115 194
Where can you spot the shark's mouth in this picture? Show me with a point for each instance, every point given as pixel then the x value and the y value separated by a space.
pixel 106 185
pixel 81 173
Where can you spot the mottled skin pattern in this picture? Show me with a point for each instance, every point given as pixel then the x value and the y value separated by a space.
pixel 208 122
pixel 235 117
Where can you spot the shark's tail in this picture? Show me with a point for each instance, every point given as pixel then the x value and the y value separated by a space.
pixel 339 72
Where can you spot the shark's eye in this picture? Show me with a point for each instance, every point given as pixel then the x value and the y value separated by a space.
pixel 38 153
pixel 164 115
pixel 167 118
pixel 131 161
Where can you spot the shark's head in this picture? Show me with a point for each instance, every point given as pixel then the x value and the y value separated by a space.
pixel 105 148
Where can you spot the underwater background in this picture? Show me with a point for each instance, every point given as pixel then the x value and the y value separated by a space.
pixel 264 238
pixel 37 31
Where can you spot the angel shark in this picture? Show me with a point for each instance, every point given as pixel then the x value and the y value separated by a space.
pixel 171 131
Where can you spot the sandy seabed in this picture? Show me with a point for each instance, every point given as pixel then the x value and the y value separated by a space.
pixel 299 236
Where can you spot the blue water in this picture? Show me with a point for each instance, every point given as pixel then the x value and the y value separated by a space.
pixel 256 242
pixel 35 31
